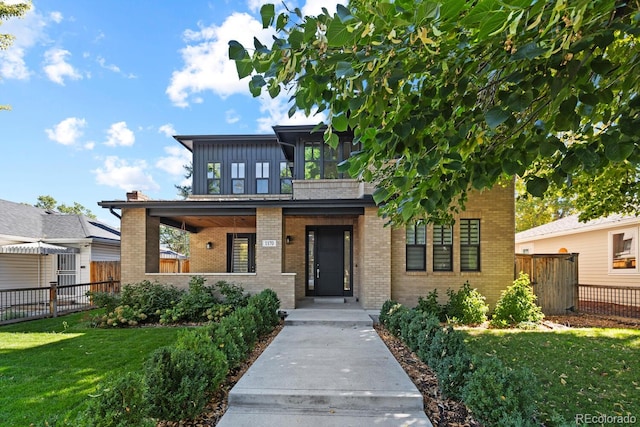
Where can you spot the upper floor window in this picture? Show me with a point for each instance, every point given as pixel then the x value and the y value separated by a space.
pixel 416 247
pixel 470 245
pixel 286 174
pixel 237 178
pixel 262 177
pixel 213 178
pixel 442 248
pixel 312 159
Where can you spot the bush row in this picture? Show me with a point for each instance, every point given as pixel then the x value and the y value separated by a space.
pixel 177 381
pixel 516 306
pixel 496 394
pixel 148 302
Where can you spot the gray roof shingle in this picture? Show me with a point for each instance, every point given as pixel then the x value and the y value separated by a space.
pixel 568 224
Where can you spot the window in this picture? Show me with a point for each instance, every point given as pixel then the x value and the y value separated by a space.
pixel 312 156
pixel 286 186
pixel 237 178
pixel 469 245
pixel 213 178
pixel 623 250
pixel 262 177
pixel 442 248
pixel 241 253
pixel 416 247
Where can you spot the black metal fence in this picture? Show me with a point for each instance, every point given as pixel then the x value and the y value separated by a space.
pixel 623 301
pixel 22 304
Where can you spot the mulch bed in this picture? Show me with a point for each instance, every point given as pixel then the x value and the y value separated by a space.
pixel 442 412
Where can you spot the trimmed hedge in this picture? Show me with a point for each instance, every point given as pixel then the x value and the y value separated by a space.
pixel 178 380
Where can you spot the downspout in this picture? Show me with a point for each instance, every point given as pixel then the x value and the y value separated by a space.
pixel 114 213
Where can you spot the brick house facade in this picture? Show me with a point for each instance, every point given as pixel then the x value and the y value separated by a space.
pixel 275 212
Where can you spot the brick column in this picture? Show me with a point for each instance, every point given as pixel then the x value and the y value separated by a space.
pixel 139 245
pixel 376 260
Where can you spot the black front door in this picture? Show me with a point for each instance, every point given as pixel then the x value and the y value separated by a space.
pixel 329 261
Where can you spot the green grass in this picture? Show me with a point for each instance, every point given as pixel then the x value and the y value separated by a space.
pixel 49 367
pixel 580 371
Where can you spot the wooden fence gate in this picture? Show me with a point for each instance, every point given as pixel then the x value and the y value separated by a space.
pixel 554 278
pixel 103 271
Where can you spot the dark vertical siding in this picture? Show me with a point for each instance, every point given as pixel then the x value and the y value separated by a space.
pixel 236 151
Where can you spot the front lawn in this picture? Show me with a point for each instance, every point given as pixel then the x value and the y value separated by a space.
pixel 581 371
pixel 48 367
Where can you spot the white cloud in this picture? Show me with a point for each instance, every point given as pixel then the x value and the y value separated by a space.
pixel 167 130
pixel 28 31
pixel 110 67
pixel 126 175
pixel 56 17
pixel 90 145
pixel 314 7
pixel 57 68
pixel 67 131
pixel 231 116
pixel 207 66
pixel 120 135
pixel 178 156
pixel 277 113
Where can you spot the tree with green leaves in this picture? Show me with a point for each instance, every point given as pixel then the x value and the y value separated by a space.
pixel 185 191
pixel 8 11
pixel 534 211
pixel 51 204
pixel 175 239
pixel 451 96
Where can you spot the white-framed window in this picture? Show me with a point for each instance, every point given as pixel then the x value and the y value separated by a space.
pixel 623 251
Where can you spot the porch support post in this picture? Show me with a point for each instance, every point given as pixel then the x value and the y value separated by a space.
pixel 269 254
pixel 139 245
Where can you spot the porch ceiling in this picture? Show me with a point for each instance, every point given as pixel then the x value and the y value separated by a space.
pixel 200 222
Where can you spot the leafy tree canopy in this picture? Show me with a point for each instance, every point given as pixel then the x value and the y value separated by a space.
pixel 49 203
pixel 449 96
pixel 8 11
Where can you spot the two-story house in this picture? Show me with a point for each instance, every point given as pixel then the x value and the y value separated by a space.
pixel 274 211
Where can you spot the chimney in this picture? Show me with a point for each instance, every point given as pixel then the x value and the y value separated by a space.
pixel 134 196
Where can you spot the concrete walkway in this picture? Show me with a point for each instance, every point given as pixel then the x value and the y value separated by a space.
pixel 327 367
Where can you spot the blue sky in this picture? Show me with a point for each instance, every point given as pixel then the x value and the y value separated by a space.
pixel 98 88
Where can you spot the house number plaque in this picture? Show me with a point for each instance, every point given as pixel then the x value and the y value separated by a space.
pixel 269 243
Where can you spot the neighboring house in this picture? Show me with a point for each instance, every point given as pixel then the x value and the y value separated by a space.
pixel 275 211
pixel 39 246
pixel 607 248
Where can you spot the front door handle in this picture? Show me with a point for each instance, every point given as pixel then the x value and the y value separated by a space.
pixel 317 271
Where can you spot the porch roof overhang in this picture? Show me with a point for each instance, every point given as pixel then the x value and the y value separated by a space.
pixel 193 215
pixel 36 248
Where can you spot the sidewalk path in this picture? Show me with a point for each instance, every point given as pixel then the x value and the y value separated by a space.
pixel 327 367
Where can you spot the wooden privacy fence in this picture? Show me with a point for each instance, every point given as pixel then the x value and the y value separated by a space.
pixel 174 265
pixel 554 278
pixel 103 271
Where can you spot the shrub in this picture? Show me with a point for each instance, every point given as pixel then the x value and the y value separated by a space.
pixel 430 326
pixel 431 305
pixel 107 300
pixel 218 311
pixel 385 310
pixel 213 360
pixel 226 340
pixel 193 305
pixel 267 303
pixel 500 396
pixel 122 316
pixel 176 384
pixel 119 403
pixel 150 298
pixel 449 357
pixel 517 305
pixel 466 306
pixel 396 319
pixel 247 318
pixel 232 294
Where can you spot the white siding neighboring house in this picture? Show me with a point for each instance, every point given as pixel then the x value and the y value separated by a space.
pixel 39 246
pixel 608 247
